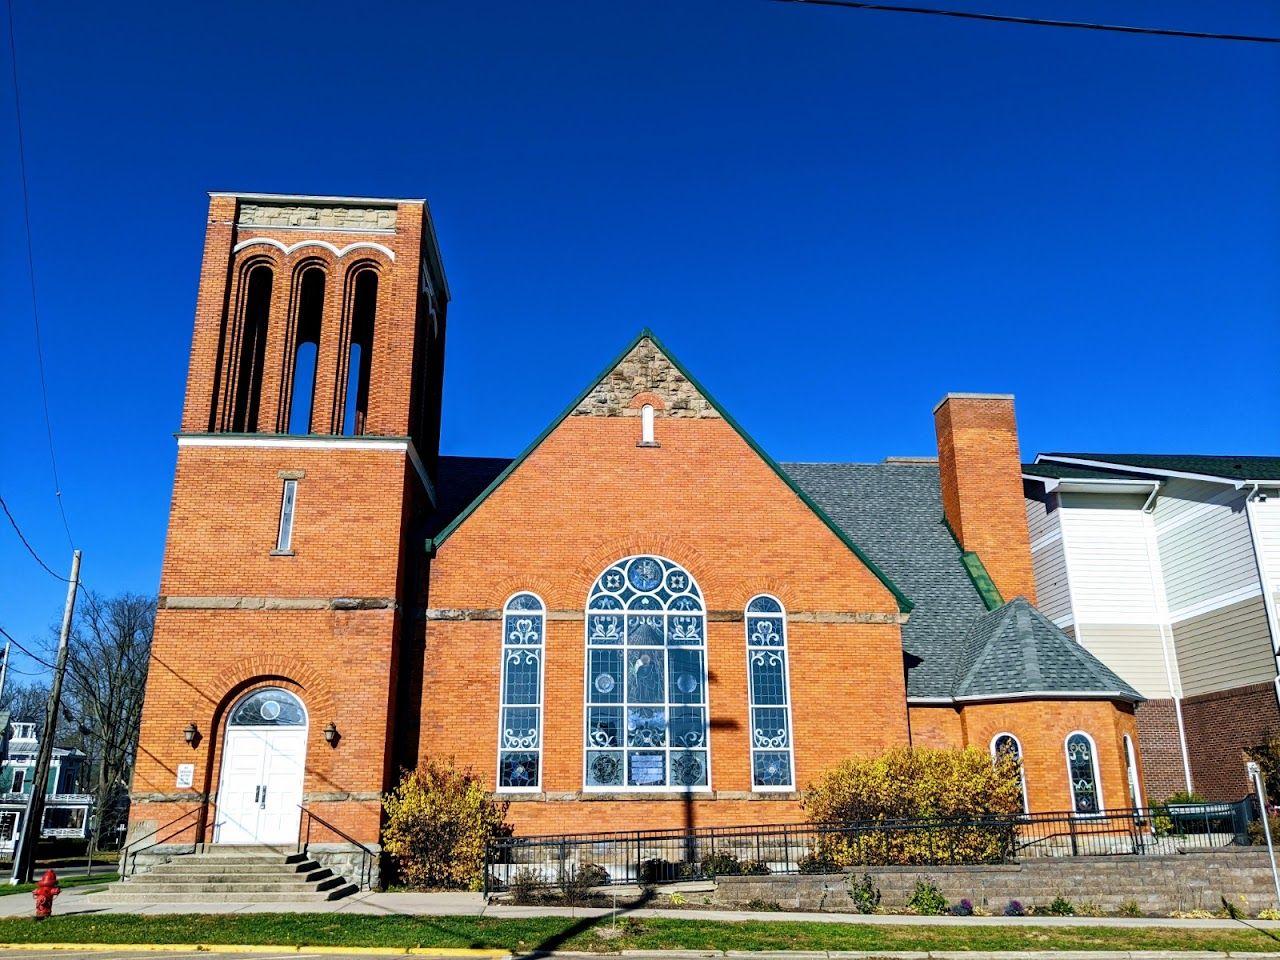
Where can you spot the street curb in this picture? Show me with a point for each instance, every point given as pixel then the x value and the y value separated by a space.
pixel 263 948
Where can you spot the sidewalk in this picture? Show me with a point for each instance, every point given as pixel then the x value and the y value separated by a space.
pixel 78 900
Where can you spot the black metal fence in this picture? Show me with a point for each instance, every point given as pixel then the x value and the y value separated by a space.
pixel 666 856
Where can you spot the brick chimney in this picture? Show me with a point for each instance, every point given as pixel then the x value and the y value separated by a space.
pixel 981 474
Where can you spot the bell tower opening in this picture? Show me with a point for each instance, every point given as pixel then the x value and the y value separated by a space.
pixel 253 349
pixel 306 349
pixel 359 365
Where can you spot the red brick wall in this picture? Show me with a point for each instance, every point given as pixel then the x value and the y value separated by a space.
pixel 587 497
pixel 1042 727
pixel 981 477
pixel 1161 749
pixel 1219 727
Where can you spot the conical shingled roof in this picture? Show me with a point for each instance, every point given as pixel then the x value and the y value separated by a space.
pixel 1016 650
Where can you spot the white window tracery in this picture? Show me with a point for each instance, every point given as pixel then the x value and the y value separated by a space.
pixel 646 682
pixel 520 716
pixel 1007 745
pixel 772 758
pixel 1082 773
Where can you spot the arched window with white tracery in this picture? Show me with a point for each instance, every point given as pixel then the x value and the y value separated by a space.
pixel 772 766
pixel 1007 745
pixel 646 682
pixel 1082 773
pixel 520 716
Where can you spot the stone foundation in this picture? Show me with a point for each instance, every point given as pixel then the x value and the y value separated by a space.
pixel 1158 885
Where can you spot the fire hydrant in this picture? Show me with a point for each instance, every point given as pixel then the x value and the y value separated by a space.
pixel 44 893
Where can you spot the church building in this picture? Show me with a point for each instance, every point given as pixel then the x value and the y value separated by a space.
pixel 641 619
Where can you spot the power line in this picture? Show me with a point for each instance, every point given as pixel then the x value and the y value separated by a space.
pixel 8 636
pixel 1037 21
pixel 30 549
pixel 31 271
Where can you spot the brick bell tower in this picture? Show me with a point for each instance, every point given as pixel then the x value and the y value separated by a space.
pixel 306 458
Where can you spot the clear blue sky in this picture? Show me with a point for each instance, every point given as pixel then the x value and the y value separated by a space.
pixel 832 216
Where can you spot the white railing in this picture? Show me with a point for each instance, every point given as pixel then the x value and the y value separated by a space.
pixel 68 798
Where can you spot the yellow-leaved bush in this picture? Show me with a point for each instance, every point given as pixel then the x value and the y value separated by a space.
pixel 968 802
pixel 439 819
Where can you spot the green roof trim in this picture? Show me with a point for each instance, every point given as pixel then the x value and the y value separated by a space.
pixel 904 604
pixel 986 587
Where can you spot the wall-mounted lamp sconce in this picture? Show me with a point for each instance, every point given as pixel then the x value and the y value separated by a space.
pixel 191 734
pixel 331 735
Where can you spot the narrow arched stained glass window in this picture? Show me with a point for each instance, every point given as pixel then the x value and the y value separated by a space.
pixel 1007 745
pixel 767 671
pixel 1082 773
pixel 646 683
pixel 520 723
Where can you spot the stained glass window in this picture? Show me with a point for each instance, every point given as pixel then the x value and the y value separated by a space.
pixel 767 668
pixel 646 684
pixel 520 723
pixel 270 707
pixel 1007 745
pixel 1082 772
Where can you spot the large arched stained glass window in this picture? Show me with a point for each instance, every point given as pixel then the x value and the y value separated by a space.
pixel 1082 773
pixel 646 684
pixel 767 669
pixel 520 721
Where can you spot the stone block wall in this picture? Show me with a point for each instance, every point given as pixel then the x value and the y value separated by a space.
pixel 1158 885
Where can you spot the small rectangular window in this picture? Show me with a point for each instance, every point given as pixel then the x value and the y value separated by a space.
pixel 285 539
pixel 19 780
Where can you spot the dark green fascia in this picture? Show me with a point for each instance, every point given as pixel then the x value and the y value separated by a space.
pixel 973 566
pixel 904 604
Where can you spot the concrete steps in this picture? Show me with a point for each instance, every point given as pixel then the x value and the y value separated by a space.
pixel 230 875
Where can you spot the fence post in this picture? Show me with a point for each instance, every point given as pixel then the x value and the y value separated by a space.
pixel 1075 850
pixel 488 860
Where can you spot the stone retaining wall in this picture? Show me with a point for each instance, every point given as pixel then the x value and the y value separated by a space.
pixel 1158 885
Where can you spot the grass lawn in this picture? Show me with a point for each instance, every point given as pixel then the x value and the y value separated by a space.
pixel 105 877
pixel 559 933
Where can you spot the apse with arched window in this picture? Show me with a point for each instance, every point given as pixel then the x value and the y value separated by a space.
pixel 306 347
pixel 358 363
pixel 252 349
pixel 646 683
pixel 1082 773
pixel 770 694
pixel 520 716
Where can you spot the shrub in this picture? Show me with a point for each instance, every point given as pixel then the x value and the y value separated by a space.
pixel 926 899
pixel 959 786
pixel 658 870
pixel 772 906
pixel 755 868
pixel 721 865
pixel 439 821
pixel 1267 755
pixel 524 885
pixel 1258 837
pixel 1061 907
pixel 1269 913
pixel 1185 796
pixel 1014 908
pixel 575 882
pixel 962 909
pixel 817 863
pixel 1130 908
pixel 864 893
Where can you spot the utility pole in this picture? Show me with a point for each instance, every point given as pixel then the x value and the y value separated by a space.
pixel 25 857
pixel 4 672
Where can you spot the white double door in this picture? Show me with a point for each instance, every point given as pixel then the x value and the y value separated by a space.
pixel 260 796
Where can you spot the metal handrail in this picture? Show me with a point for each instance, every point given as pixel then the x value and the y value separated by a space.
pixel 132 851
pixel 367 856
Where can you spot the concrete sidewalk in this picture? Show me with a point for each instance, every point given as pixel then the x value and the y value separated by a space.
pixel 78 900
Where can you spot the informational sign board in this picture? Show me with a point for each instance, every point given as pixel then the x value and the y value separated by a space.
pixel 186 774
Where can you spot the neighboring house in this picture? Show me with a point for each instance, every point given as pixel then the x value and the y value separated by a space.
pixel 1167 568
pixel 67 805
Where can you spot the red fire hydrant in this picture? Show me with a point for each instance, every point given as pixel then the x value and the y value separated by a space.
pixel 44 893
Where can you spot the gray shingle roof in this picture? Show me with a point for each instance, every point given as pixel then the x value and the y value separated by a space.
pixel 952 645
pixel 1017 649
pixel 1227 467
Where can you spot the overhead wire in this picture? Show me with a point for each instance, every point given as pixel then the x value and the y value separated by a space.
pixel 1037 21
pixel 26 543
pixel 31 272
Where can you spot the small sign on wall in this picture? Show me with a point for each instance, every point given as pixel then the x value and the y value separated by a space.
pixel 186 774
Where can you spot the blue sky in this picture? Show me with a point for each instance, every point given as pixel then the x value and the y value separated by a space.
pixel 832 216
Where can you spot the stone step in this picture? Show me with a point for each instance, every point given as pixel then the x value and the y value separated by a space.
pixel 245 886
pixel 113 897
pixel 176 868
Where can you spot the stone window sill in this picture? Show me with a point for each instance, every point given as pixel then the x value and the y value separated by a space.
pixel 282 553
